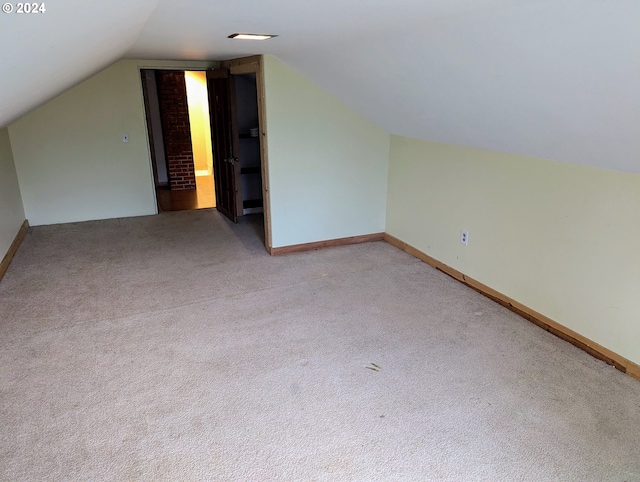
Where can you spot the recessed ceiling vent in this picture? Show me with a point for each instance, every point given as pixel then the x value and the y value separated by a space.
pixel 251 36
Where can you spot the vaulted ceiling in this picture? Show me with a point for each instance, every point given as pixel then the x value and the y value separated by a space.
pixel 556 79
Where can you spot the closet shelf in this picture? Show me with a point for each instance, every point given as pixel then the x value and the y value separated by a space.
pixel 252 203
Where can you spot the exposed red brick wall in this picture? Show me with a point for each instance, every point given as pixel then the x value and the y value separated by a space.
pixel 172 95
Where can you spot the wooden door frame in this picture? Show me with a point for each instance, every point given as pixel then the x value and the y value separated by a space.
pixel 149 124
pixel 254 65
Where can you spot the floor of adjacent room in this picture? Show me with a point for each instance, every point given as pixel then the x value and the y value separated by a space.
pixel 202 197
pixel 173 347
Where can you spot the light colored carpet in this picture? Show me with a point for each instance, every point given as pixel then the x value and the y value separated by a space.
pixel 173 347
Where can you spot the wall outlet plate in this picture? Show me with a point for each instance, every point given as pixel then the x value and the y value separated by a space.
pixel 464 237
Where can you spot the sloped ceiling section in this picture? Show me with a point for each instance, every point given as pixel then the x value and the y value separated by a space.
pixel 43 54
pixel 556 79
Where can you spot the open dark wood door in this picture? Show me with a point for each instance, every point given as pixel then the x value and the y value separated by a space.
pixel 224 133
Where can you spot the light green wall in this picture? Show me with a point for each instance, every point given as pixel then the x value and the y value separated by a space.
pixel 327 165
pixel 562 239
pixel 72 164
pixel 11 210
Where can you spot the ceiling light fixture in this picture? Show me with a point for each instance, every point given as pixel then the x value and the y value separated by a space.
pixel 250 36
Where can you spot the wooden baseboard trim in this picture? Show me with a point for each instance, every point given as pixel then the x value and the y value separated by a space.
pixel 331 243
pixel 6 261
pixel 594 349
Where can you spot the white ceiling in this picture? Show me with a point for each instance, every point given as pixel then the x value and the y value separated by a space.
pixel 556 79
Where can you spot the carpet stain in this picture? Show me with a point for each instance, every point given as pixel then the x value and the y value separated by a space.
pixel 374 367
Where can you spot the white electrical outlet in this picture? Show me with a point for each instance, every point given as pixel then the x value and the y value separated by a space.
pixel 464 237
pixel 125 137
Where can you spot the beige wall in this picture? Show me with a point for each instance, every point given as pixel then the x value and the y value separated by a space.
pixel 562 239
pixel 71 162
pixel 11 209
pixel 327 165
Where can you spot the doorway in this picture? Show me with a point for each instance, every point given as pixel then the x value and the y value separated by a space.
pixel 230 173
pixel 249 143
pixel 177 109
